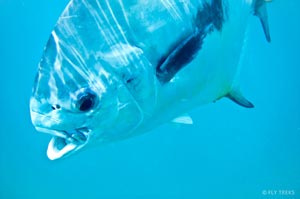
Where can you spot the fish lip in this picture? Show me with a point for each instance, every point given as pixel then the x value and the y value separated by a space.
pixel 58 148
pixel 77 135
pixel 64 143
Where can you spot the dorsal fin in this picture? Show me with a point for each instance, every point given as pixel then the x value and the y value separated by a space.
pixel 260 11
pixel 237 97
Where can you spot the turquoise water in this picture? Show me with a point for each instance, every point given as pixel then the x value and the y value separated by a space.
pixel 229 152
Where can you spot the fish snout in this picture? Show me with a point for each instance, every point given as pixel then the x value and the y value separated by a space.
pixel 63 142
pixel 68 136
pixel 42 115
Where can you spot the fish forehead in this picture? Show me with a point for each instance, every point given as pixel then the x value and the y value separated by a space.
pixel 70 61
pixel 63 70
pixel 95 26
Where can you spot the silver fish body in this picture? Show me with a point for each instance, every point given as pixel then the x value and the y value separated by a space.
pixel 115 69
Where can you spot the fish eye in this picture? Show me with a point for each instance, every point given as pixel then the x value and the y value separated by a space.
pixel 86 100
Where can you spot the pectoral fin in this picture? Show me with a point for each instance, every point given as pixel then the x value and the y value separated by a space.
pixel 238 98
pixel 260 11
pixel 183 53
pixel 184 119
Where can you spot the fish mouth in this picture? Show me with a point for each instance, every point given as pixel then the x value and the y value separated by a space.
pixel 64 143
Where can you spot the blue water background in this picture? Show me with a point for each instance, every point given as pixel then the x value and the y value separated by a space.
pixel 229 152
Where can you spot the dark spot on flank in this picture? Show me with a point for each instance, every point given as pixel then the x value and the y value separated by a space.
pixel 129 80
pixel 209 17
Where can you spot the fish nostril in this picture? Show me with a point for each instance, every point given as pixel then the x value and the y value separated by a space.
pixel 55 107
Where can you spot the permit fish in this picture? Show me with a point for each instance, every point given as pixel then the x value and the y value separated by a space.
pixel 112 70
